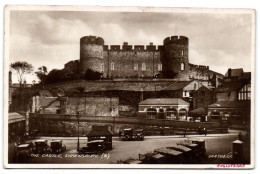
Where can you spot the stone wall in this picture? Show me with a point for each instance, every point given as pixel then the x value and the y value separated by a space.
pixel 66 125
pixel 92 106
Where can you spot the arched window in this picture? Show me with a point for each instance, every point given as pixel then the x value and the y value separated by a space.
pixel 182 66
pixel 151 113
pixel 143 66
pixel 159 67
pixel 136 67
pixel 112 66
pixel 182 114
pixel 102 67
pixel 171 114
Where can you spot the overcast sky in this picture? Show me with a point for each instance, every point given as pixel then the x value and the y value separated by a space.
pixel 47 38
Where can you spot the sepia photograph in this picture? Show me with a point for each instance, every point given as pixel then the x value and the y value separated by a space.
pixel 129 87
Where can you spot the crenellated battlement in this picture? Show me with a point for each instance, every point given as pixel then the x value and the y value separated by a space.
pixel 181 40
pixel 92 40
pixel 201 67
pixel 126 47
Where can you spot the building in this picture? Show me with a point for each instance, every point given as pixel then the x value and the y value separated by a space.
pixel 233 100
pixel 170 60
pixel 164 108
pixel 203 97
pixel 16 125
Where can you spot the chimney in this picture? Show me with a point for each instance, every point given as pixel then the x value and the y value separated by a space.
pixel 229 72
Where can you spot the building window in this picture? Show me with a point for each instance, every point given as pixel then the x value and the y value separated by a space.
pixel 171 114
pixel 245 93
pixel 112 66
pixel 182 66
pixel 215 115
pixel 186 94
pixel 136 67
pixel 159 67
pixel 143 66
pixel 182 52
pixel 151 113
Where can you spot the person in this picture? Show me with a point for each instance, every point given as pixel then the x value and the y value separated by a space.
pixel 205 131
pixel 185 131
pixel 120 133
pixel 199 130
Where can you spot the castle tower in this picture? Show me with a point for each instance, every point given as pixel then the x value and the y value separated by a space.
pixel 91 54
pixel 176 57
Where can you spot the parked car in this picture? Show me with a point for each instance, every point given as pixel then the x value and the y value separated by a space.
pixel 95 146
pixel 24 150
pixel 131 134
pixel 57 146
pixel 41 146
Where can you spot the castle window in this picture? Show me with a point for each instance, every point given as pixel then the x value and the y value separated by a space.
pixel 182 52
pixel 143 66
pixel 136 67
pixel 182 66
pixel 102 67
pixel 112 66
pixel 159 67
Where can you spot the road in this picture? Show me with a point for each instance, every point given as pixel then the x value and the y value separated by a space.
pixel 216 144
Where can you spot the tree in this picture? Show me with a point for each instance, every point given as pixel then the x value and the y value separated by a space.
pixel 92 75
pixel 21 68
pixel 42 74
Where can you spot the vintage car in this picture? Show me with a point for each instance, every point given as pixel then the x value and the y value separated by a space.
pixel 131 134
pixel 33 133
pixel 24 150
pixel 41 146
pixel 57 146
pixel 93 147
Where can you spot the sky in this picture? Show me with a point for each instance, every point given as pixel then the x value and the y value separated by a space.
pixel 51 38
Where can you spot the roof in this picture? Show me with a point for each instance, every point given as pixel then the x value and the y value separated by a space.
pixel 15 117
pixel 23 145
pixel 198 111
pixel 235 72
pixel 177 85
pixel 100 133
pixel 164 101
pixel 158 156
pixel 231 104
pixel 180 147
pixel 206 86
pixel 39 141
pixel 230 86
pixel 165 150
pixel 96 141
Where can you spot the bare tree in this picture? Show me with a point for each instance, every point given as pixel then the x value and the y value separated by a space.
pixel 21 68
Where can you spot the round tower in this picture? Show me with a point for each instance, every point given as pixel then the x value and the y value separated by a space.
pixel 91 54
pixel 176 57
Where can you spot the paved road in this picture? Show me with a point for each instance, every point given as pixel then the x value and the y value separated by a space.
pixel 216 144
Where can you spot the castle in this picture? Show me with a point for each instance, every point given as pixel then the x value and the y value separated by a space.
pixel 170 60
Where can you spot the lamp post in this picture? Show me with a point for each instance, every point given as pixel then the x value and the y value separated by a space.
pixel 78 116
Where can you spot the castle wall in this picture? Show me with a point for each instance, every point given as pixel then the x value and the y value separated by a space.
pixel 131 64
